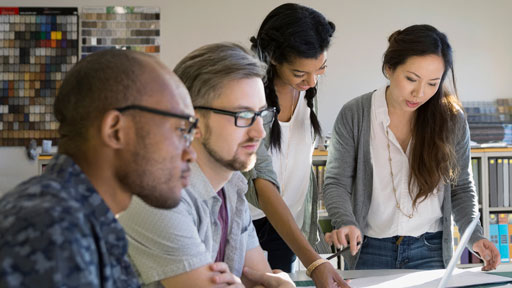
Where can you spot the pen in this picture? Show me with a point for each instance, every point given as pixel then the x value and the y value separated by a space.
pixel 341 251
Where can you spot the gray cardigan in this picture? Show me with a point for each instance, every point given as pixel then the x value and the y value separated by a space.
pixel 349 177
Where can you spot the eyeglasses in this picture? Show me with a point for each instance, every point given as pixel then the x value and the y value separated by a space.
pixel 188 133
pixel 245 118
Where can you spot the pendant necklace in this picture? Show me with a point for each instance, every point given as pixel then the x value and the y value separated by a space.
pixel 393 179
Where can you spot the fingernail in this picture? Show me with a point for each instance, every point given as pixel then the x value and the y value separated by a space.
pixel 487 257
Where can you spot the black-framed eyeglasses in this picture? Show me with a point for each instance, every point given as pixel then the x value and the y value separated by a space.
pixel 188 132
pixel 245 118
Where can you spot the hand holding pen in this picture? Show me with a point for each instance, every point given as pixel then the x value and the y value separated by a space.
pixel 343 236
pixel 340 251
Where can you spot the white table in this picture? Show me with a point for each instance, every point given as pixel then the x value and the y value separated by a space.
pixel 354 274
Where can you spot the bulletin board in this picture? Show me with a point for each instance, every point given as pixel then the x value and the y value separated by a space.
pixel 128 28
pixel 37 47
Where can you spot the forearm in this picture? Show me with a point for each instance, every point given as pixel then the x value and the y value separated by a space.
pixel 255 260
pixel 341 174
pixel 337 192
pixel 338 204
pixel 283 222
pixel 199 277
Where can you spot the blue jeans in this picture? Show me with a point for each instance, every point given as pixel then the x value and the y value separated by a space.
pixel 423 252
pixel 279 255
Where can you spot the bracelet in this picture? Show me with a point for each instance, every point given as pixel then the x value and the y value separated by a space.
pixel 313 266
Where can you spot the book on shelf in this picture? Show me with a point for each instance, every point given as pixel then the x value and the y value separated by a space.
pixel 499 182
pixel 456 239
pixel 475 167
pixel 506 181
pixel 503 237
pixel 493 187
pixel 465 256
pixel 319 171
pixel 489 121
pixel 509 234
pixel 510 180
pixel 493 230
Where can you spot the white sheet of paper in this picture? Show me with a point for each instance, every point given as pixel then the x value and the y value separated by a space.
pixel 429 278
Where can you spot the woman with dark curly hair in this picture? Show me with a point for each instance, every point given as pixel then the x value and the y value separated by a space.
pixel 293 41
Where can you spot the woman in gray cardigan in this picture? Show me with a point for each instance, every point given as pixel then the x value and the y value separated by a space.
pixel 416 137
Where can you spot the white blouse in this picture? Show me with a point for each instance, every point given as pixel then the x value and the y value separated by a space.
pixel 384 218
pixel 292 163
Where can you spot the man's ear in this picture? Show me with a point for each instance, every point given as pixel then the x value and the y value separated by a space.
pixel 199 132
pixel 113 129
pixel 199 128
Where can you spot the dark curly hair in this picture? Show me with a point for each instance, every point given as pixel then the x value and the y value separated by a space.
pixel 289 31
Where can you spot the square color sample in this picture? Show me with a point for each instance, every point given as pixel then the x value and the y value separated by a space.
pixel 37 48
pixel 129 28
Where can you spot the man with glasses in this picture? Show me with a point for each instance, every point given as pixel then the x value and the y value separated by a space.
pixel 126 123
pixel 212 223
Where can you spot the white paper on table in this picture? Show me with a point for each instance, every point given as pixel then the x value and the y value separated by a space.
pixel 429 278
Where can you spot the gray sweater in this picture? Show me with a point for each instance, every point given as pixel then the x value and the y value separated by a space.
pixel 349 177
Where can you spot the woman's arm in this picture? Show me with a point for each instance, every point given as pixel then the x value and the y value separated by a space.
pixel 339 178
pixel 282 220
pixel 264 193
pixel 340 172
pixel 464 199
pixel 463 192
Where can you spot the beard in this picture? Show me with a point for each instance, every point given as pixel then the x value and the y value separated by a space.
pixel 153 179
pixel 235 163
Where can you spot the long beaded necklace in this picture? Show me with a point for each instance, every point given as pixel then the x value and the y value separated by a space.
pixel 393 179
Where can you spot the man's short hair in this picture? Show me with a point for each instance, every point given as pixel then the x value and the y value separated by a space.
pixel 205 70
pixel 98 83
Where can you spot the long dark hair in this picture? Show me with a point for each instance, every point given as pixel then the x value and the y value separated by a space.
pixel 433 157
pixel 289 31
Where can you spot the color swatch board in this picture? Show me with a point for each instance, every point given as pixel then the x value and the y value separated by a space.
pixel 37 47
pixel 130 28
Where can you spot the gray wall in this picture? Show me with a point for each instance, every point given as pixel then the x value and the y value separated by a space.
pixel 479 32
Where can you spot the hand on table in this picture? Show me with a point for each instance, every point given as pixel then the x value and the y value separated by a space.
pixel 276 279
pixel 489 253
pixel 224 277
pixel 326 276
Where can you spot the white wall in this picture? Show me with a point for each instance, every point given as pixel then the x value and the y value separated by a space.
pixel 479 32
